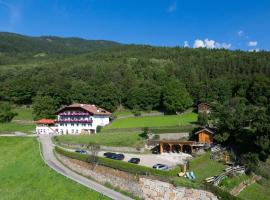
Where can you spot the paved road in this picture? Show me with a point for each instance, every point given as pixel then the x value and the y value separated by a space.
pixel 49 158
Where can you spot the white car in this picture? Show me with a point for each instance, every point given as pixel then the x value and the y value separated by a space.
pixel 161 167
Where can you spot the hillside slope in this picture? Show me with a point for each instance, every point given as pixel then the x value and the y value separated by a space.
pixel 16 43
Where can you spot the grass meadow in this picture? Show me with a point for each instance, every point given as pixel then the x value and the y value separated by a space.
pixel 23 122
pixel 12 127
pixel 204 167
pixel 154 121
pixel 256 191
pixel 131 139
pixel 23 113
pixel 25 176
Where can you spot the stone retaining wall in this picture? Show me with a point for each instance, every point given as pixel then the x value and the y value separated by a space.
pixel 105 175
pixel 141 187
pixel 173 136
pixel 158 190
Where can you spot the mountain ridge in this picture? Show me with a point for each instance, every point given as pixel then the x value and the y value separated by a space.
pixel 17 43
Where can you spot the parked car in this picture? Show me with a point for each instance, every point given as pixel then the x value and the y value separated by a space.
pixel 155 151
pixel 134 160
pixel 109 154
pixel 81 151
pixel 118 157
pixel 161 167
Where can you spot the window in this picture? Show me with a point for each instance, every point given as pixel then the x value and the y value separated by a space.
pixel 72 124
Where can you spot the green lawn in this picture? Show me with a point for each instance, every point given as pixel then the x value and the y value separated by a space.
pixel 154 121
pixel 131 139
pixel 229 183
pixel 123 112
pixel 14 126
pixel 129 112
pixel 23 113
pixel 256 191
pixel 24 175
pixel 204 167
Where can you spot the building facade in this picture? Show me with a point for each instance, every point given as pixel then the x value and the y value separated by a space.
pixel 205 136
pixel 80 119
pixel 45 126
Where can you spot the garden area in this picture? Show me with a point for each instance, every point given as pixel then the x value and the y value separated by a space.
pixel 24 175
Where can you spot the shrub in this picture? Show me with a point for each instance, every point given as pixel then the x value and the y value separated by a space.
pixel 136 111
pixel 99 128
pixel 145 132
pixel 6 115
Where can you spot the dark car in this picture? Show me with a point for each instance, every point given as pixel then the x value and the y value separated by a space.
pixel 109 154
pixel 118 157
pixel 161 167
pixel 155 151
pixel 81 151
pixel 134 160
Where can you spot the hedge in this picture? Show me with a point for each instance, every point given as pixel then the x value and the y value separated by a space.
pixel 121 165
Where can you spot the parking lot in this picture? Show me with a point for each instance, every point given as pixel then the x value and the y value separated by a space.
pixel 148 160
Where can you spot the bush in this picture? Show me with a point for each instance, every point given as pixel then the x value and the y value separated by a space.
pixel 145 132
pixel 6 115
pixel 99 128
pixel 136 111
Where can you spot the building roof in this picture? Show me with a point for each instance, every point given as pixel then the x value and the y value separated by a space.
pixel 93 109
pixel 205 129
pixel 45 121
pixel 200 104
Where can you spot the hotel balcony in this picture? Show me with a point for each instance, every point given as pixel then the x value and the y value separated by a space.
pixel 74 121
pixel 74 114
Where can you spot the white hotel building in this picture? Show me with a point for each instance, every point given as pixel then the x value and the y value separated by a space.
pixel 75 119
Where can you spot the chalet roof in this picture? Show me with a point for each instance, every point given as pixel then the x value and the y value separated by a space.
pixel 45 121
pixel 205 129
pixel 93 109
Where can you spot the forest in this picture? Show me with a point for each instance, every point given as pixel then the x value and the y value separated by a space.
pixel 236 84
